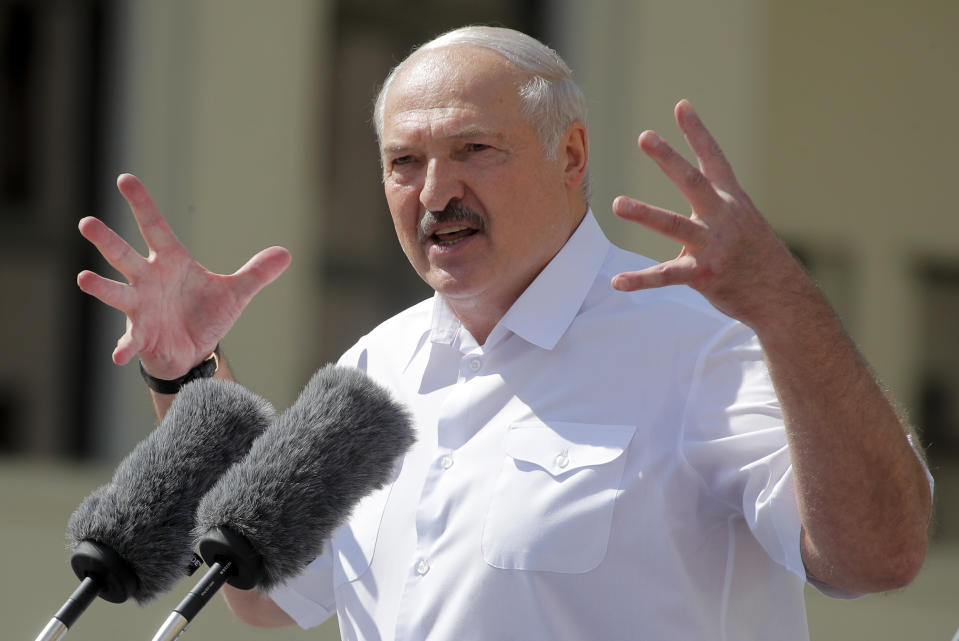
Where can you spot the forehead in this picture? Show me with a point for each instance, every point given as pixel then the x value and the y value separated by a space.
pixel 459 86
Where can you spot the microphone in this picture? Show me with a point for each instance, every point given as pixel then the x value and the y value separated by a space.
pixel 133 536
pixel 268 516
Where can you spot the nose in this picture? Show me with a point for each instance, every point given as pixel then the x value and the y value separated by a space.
pixel 441 184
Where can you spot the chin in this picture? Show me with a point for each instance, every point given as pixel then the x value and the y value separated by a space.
pixel 446 281
pixel 455 288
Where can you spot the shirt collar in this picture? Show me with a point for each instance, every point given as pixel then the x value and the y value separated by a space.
pixel 445 326
pixel 543 313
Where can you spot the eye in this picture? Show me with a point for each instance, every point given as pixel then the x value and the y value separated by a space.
pixel 476 146
pixel 402 160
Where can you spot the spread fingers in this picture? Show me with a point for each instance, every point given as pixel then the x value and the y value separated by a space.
pixel 112 247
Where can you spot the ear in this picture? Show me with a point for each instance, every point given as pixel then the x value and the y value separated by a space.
pixel 574 149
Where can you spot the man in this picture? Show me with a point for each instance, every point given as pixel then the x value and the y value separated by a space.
pixel 649 463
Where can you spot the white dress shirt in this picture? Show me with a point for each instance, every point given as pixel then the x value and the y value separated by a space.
pixel 607 466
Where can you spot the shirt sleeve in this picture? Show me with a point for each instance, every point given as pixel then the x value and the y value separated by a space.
pixel 734 437
pixel 309 598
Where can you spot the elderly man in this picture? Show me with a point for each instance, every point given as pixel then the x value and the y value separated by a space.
pixel 601 454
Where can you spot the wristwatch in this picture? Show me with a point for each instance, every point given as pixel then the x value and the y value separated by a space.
pixel 206 369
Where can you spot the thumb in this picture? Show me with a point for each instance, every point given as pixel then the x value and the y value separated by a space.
pixel 260 271
pixel 126 347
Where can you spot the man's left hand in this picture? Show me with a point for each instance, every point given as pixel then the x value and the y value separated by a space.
pixel 730 253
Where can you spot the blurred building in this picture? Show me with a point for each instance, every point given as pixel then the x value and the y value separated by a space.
pixel 249 123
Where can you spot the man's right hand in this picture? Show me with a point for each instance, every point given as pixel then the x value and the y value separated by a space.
pixel 176 310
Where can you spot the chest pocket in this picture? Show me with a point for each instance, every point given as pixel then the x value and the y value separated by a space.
pixel 552 506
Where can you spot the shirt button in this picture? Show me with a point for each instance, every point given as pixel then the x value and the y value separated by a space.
pixel 562 460
pixel 422 567
pixel 446 462
pixel 475 364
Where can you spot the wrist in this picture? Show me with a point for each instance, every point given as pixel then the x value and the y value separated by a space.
pixel 206 368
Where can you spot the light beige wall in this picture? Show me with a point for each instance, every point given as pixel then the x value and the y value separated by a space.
pixel 858 145
pixel 219 112
pixel 635 61
pixel 838 118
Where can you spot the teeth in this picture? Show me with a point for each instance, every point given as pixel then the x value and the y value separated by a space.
pixel 450 230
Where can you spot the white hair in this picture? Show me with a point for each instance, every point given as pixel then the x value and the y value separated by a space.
pixel 552 100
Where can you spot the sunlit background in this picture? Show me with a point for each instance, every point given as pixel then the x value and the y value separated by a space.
pixel 249 123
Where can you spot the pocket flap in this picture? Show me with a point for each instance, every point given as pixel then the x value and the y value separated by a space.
pixel 562 447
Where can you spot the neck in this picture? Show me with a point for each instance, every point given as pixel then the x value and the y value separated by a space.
pixel 479 318
pixel 480 314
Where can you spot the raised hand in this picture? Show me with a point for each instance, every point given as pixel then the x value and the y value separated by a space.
pixel 864 510
pixel 176 310
pixel 730 254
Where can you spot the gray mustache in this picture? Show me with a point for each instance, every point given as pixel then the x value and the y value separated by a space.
pixel 454 212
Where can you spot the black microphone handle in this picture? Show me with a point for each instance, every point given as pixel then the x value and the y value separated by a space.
pixel 199 596
pixel 232 560
pixel 102 573
pixel 81 598
pixel 71 610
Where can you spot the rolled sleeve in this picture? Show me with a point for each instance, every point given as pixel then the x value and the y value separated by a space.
pixel 308 598
pixel 735 439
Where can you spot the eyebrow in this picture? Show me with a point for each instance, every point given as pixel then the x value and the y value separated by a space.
pixel 463 134
pixel 476 132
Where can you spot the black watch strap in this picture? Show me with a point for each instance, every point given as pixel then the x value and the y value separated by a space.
pixel 205 369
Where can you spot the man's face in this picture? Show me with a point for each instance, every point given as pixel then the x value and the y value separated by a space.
pixel 477 206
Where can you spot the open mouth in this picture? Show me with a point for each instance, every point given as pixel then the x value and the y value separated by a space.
pixel 449 226
pixel 448 236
